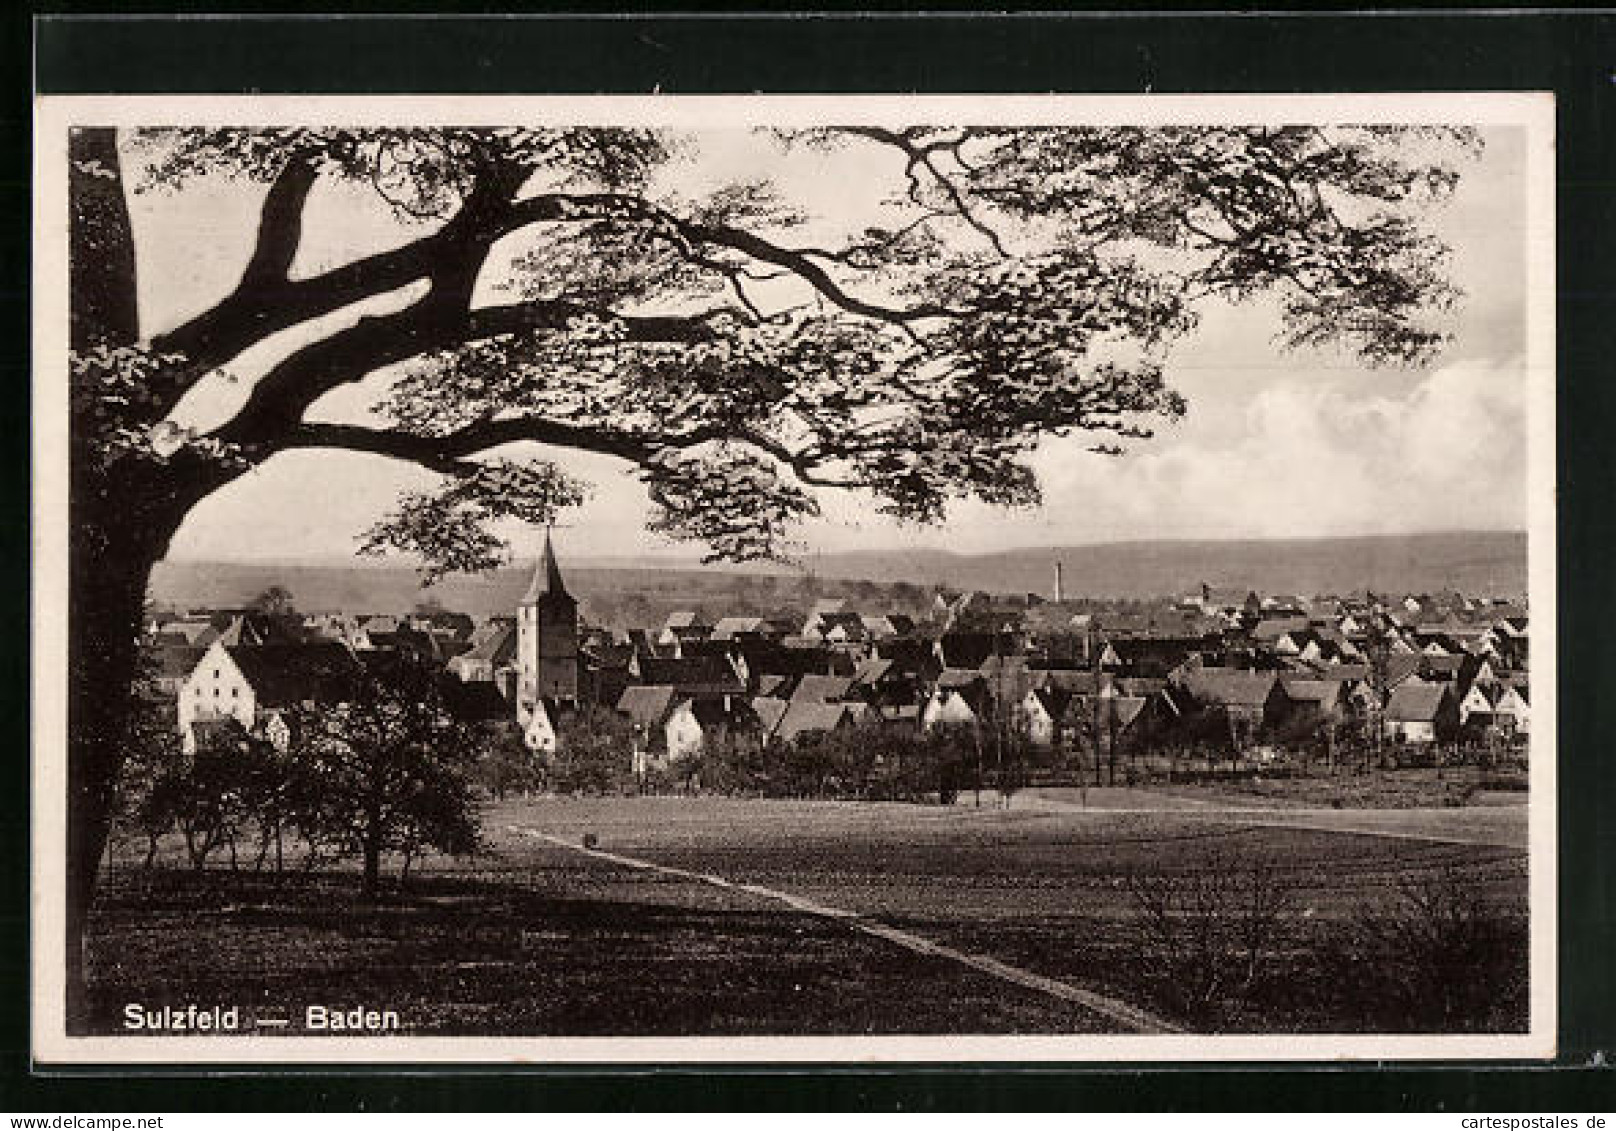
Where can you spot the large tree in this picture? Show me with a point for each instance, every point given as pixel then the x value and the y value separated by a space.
pixel 1017 283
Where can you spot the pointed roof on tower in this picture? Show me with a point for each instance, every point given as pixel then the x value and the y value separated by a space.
pixel 547 580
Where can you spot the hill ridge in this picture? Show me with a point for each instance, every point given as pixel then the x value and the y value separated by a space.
pixel 1482 564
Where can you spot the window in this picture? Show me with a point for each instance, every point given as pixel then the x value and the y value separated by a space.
pixel 215 673
pixel 235 692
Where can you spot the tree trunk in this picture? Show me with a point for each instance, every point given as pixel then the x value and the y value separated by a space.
pixel 102 308
pixel 123 514
pixel 373 853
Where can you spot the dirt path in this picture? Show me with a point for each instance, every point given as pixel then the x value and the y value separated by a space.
pixel 1129 1017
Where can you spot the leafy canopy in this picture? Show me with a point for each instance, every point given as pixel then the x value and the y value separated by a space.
pixel 1017 283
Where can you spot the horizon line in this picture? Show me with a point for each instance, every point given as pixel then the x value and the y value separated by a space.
pixel 693 557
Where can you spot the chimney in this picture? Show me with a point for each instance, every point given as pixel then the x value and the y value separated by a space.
pixel 1060 592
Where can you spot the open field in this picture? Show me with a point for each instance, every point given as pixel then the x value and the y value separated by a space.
pixel 1501 822
pixel 542 937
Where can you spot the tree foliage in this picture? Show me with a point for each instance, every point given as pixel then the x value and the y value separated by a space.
pixel 593 752
pixel 387 769
pixel 1022 282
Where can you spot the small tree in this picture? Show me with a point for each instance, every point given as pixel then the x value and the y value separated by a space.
pixel 507 764
pixel 276 602
pixel 388 768
pixel 593 752
pixel 208 796
pixel 142 799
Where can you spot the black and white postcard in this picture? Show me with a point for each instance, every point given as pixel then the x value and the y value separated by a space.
pixel 794 579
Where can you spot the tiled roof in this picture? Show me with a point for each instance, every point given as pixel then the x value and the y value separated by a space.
pixel 1229 686
pixel 697 673
pixel 284 674
pixel 822 689
pixel 1416 701
pixel 646 705
pixel 805 717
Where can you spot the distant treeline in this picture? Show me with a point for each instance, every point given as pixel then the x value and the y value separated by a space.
pixel 616 598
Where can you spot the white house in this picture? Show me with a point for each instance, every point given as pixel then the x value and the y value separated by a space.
pixel 1512 702
pixel 947 707
pixel 539 732
pixel 1033 712
pixel 665 725
pixel 681 732
pixel 216 689
pixel 253 683
pixel 1477 706
pixel 1421 712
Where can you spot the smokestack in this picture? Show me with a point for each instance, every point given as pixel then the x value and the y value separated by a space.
pixel 1060 591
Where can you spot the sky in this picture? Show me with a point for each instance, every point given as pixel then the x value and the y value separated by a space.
pixel 1275 444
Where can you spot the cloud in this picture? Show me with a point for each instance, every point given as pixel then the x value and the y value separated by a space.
pixel 1304 460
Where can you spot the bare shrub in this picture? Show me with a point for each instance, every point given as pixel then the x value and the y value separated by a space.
pixel 1438 957
pixel 1209 937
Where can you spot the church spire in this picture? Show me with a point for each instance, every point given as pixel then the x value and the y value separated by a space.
pixel 546 576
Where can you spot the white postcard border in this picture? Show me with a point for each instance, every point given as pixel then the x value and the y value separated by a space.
pixel 54 114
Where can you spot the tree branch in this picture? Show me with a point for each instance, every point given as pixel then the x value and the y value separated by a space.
pixel 280 225
pixel 920 157
pixel 449 453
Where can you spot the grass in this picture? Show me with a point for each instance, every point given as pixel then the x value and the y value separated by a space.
pixel 1405 788
pixel 550 943
pixel 537 939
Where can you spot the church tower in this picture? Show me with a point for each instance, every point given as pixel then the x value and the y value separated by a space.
pixel 546 639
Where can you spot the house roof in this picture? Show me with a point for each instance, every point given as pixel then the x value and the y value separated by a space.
pixel 694 673
pixel 1344 671
pixel 283 674
pixel 716 710
pixel 805 717
pixel 175 661
pixel 1054 700
pixel 1082 681
pixel 768 657
pixel 1444 665
pixel 1122 710
pixel 1323 692
pixel 1272 628
pixel 848 626
pixel 493 642
pixel 1139 685
pixel 958 677
pixel 822 689
pixel 1416 701
pixel 973 649
pixel 872 671
pixel 1229 687
pixel 193 631
pixel 1160 652
pixel 647 705
pixel 728 628
pixel 1400 666
pixel 769 711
